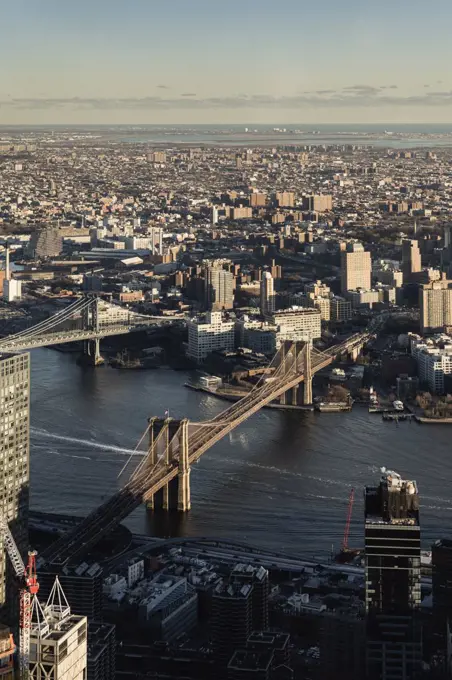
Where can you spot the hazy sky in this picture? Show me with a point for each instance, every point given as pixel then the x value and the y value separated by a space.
pixel 225 61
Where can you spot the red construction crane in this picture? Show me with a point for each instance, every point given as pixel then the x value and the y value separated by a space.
pixel 347 523
pixel 29 586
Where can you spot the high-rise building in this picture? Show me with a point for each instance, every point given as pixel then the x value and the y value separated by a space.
pixel 411 259
pixel 447 236
pixel 101 662
pixel 15 460
pixel 7 651
pixel 268 298
pixel 205 335
pixel 58 643
pixel 435 304
pixel 219 288
pixel 340 309
pixel 356 268
pixel 297 323
pixel 157 157
pixel 393 578
pixel 82 585
pixel 442 584
pixel 342 646
pixel 285 199
pixel 318 203
pixel 258 199
pixel 258 578
pixel 231 618
pixel 45 242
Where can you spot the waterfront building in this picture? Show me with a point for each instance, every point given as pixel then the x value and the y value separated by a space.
pixel 356 268
pixel 209 333
pixel 435 305
pixel 392 540
pixel 411 259
pixel 268 298
pixel 14 470
pixel 296 323
pixel 434 360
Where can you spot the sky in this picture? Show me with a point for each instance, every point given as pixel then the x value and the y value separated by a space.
pixel 225 61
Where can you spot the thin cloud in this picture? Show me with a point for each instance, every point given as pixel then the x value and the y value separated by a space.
pixel 362 89
pixel 358 96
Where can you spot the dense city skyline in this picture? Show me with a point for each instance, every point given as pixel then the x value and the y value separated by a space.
pixel 263 62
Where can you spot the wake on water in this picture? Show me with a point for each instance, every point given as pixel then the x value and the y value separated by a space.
pixel 85 442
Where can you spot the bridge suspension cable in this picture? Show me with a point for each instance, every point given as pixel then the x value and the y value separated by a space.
pixel 49 323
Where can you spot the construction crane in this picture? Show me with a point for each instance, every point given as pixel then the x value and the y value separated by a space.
pixel 351 498
pixel 29 586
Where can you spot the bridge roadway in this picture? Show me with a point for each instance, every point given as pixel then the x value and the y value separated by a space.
pixel 150 478
pixel 61 337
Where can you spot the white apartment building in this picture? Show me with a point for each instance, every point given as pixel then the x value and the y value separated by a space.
pixel 205 335
pixel 12 289
pixel 267 291
pixel 296 323
pixel 434 360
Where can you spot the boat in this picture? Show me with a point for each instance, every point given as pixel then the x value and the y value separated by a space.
pixel 338 375
pixel 333 406
pixel 398 405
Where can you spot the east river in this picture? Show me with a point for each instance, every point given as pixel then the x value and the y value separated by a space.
pixel 281 480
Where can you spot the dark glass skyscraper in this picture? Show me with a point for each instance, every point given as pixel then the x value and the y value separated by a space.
pixel 393 578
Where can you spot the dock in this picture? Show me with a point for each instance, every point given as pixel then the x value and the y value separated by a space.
pixel 398 416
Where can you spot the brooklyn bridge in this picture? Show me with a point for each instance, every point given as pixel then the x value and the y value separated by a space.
pixel 162 479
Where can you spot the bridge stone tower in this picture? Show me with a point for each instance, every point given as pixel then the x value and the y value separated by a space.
pixel 300 354
pixel 168 440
